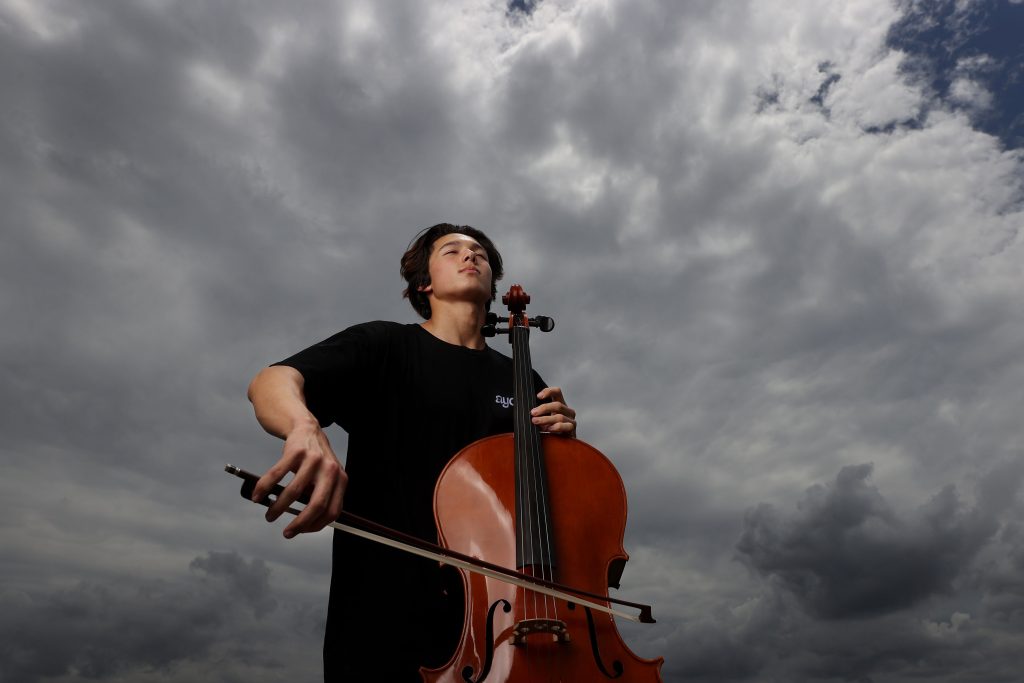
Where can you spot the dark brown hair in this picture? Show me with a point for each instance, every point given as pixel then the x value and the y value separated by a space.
pixel 416 260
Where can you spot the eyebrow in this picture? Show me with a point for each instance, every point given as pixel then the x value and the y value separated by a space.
pixel 476 246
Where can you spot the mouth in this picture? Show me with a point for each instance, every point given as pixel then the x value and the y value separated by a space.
pixel 470 270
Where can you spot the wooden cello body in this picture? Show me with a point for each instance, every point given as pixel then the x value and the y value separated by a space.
pixel 548 506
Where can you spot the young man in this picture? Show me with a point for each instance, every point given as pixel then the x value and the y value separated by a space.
pixel 410 397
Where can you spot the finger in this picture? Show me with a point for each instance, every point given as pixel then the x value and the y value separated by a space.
pixel 295 488
pixel 307 518
pixel 337 499
pixel 554 408
pixel 334 502
pixel 271 477
pixel 553 393
pixel 320 510
pixel 561 428
pixel 556 424
pixel 548 421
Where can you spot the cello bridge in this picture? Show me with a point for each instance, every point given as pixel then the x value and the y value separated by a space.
pixel 534 627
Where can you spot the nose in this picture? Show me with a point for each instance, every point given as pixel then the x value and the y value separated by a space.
pixel 470 255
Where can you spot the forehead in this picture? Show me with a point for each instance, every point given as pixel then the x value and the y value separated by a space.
pixel 456 239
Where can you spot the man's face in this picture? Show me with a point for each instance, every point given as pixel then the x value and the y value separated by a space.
pixel 459 270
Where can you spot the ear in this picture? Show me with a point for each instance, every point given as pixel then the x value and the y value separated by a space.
pixel 426 289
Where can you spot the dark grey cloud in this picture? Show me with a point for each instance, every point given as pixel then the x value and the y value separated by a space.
pixel 774 641
pixel 845 553
pixel 249 582
pixel 853 588
pixel 141 627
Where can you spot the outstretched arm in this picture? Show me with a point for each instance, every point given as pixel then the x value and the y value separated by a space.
pixel 277 397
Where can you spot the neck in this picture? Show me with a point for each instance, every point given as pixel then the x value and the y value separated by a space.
pixel 457 323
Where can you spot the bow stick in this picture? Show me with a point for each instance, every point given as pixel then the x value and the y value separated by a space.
pixel 379 533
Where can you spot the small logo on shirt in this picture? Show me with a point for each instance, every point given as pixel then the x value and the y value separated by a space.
pixel 504 401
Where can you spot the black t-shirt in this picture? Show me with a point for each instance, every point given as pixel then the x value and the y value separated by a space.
pixel 409 402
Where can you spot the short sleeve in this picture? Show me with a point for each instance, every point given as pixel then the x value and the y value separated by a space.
pixel 337 371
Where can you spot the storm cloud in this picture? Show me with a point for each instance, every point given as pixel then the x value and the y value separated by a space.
pixel 137 626
pixel 846 553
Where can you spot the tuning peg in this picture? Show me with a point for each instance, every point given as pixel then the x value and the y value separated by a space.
pixel 543 323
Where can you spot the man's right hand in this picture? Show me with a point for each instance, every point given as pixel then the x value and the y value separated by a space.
pixel 308 454
pixel 277 397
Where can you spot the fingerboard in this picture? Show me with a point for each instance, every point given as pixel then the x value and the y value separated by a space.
pixel 534 540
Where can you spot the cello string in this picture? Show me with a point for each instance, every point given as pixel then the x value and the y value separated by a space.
pixel 524 454
pixel 542 498
pixel 541 501
pixel 524 504
pixel 545 501
pixel 537 551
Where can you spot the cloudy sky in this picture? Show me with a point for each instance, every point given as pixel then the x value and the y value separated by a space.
pixel 781 240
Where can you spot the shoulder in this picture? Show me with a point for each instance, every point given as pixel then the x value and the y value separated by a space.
pixel 369 332
pixel 364 339
pixel 388 338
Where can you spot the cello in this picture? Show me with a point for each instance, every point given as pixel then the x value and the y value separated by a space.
pixel 535 523
pixel 553 508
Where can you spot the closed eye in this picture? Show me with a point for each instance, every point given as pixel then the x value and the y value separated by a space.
pixel 457 246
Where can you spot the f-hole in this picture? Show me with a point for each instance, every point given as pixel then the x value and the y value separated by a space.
pixel 592 630
pixel 467 671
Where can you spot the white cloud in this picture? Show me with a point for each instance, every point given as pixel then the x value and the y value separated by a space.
pixel 970 94
pixel 876 97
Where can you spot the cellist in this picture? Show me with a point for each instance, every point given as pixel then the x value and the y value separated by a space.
pixel 410 397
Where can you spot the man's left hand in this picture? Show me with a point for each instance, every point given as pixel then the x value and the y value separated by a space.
pixel 553 415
